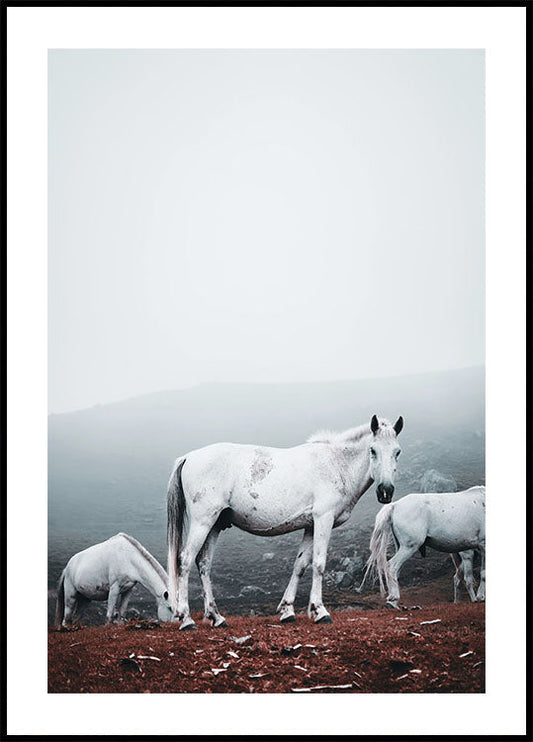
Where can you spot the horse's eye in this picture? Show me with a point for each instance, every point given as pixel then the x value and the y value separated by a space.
pixel 373 452
pixel 397 453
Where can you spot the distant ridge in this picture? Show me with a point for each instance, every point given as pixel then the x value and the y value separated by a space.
pixel 259 384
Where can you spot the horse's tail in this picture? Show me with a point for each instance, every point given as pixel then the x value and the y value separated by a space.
pixel 175 528
pixel 382 534
pixel 60 600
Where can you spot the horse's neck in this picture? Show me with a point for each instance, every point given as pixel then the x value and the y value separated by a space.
pixel 355 465
pixel 147 575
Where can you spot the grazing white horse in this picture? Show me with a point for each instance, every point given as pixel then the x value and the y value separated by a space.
pixel 270 491
pixel 109 571
pixel 447 521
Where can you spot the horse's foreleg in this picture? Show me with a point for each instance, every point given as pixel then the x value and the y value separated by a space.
pixel 480 597
pixel 305 554
pixel 322 526
pixel 196 537
pixel 114 593
pixel 203 562
pixel 124 599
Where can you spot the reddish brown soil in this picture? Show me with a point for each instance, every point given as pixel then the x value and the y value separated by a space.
pixel 372 650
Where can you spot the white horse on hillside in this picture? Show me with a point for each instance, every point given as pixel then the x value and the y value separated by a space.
pixel 270 491
pixel 109 571
pixel 446 521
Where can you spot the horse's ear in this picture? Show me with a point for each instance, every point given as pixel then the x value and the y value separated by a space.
pixel 165 595
pixel 374 424
pixel 398 425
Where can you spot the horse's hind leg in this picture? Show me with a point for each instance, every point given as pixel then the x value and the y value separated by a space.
pixel 203 562
pixel 480 597
pixel 456 559
pixel 321 532
pixel 70 597
pixel 393 568
pixel 305 554
pixel 71 606
pixel 467 567
pixel 196 537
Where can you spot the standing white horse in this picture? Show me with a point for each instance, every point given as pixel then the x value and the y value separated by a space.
pixel 270 491
pixel 447 521
pixel 109 571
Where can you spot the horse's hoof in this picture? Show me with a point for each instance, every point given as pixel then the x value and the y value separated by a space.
pixel 392 606
pixel 324 619
pixel 188 627
pixel 288 619
pixel 220 625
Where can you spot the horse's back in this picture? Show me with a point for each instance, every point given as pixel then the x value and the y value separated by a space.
pixel 235 454
pixel 453 521
pixel 267 490
pixel 95 564
pixel 234 465
pixel 410 517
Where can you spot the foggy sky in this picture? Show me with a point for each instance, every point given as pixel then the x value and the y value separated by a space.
pixel 262 216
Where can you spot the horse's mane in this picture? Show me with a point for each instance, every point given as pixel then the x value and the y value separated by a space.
pixel 352 435
pixel 146 554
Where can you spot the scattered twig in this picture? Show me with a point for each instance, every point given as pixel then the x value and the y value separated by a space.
pixel 322 687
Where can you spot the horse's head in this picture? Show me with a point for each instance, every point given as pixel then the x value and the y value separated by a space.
pixel 384 452
pixel 164 609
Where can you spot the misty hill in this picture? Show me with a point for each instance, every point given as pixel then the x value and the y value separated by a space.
pixel 109 465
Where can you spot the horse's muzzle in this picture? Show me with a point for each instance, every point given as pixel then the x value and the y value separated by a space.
pixel 385 493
